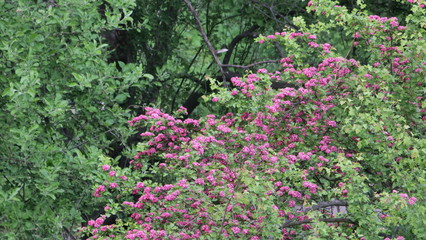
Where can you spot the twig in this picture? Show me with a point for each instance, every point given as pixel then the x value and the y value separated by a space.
pixel 224 215
pixel 325 204
pixel 274 13
pixel 205 38
pixel 183 79
pixel 69 234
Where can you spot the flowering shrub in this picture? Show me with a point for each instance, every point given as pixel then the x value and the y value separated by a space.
pixel 282 161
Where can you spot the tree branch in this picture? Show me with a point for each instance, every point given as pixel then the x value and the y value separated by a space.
pixel 279 50
pixel 250 65
pixel 333 203
pixel 292 223
pixel 205 38
pixel 238 38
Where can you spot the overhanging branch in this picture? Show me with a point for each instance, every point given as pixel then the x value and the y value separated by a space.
pixel 205 38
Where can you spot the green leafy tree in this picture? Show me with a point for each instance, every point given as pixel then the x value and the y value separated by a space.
pixel 60 107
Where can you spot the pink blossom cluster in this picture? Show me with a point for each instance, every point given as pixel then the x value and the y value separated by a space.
pixel 411 200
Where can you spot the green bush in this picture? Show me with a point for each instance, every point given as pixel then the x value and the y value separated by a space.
pixel 59 109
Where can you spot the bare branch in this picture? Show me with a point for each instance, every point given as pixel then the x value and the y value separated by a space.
pixel 294 223
pixel 333 203
pixel 205 38
pixel 238 38
pixel 279 49
pixel 250 65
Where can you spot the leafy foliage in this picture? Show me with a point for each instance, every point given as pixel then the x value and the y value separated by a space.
pixel 60 108
pixel 72 73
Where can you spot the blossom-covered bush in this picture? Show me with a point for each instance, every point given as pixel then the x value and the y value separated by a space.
pixel 339 157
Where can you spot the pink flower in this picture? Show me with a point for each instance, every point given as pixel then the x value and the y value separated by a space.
pixel 206 228
pixel 306 227
pixel 303 156
pixel 199 181
pixel 106 167
pixel 291 159
pixel 112 173
pixel 182 183
pixel 236 230
pixel 331 123
pixel 321 158
pixel 394 23
pixel 356 35
pixel 312 186
pixel 172 196
pixel 295 194
pixel 215 99
pixel 412 200
pixel 113 185
pixel 98 191
pixel 403 195
pixel 224 128
pixel 313 45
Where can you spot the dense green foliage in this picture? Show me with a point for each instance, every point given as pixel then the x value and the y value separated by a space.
pixel 72 72
pixel 60 108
